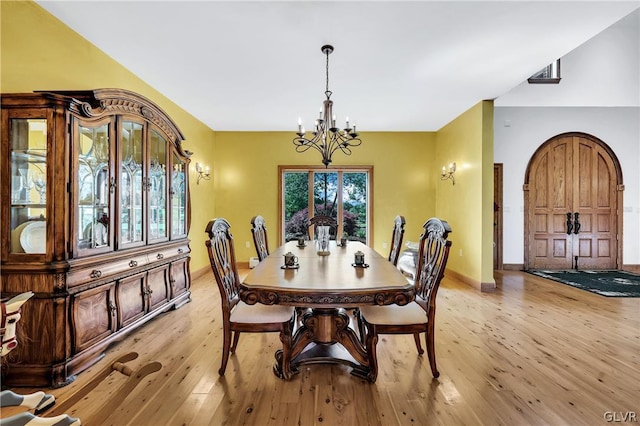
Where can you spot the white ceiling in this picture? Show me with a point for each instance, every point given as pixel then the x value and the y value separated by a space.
pixel 397 66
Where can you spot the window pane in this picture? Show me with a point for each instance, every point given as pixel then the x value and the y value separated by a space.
pixel 354 205
pixel 325 195
pixel 296 200
pixel 342 194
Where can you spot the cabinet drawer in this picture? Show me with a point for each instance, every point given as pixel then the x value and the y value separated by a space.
pixel 85 275
pixel 166 253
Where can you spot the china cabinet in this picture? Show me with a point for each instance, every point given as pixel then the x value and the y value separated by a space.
pixel 95 217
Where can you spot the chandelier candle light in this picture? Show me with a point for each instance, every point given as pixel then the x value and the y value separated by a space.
pixel 326 137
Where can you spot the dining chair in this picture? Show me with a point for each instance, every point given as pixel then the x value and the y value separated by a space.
pixel 259 232
pixel 237 316
pixel 418 316
pixel 394 253
pixel 396 239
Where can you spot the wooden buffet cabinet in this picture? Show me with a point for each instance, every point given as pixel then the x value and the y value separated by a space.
pixel 95 217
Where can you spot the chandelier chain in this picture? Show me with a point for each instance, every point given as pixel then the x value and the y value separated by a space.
pixel 327 92
pixel 326 137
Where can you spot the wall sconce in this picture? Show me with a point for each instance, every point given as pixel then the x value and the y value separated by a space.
pixel 449 175
pixel 202 173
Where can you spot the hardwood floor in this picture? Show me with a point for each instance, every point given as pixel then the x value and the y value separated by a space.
pixel 533 352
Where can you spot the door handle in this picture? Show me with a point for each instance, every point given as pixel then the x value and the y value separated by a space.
pixel 569 224
pixel 576 222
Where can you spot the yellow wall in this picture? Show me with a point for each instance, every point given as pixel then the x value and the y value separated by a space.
pixel 488 282
pixel 41 53
pixel 468 205
pixel 245 170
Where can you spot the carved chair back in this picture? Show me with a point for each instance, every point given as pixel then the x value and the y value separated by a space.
pixel 223 263
pixel 322 220
pixel 432 260
pixel 396 239
pixel 259 231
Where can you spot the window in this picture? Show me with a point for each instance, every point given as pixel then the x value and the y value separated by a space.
pixel 548 75
pixel 342 193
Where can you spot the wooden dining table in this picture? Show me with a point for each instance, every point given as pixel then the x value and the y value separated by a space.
pixel 324 289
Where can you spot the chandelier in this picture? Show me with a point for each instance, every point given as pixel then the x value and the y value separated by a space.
pixel 326 137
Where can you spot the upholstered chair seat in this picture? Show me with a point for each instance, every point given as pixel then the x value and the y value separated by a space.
pixel 260 314
pixel 410 314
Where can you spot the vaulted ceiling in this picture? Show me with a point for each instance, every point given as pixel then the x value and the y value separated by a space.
pixel 397 66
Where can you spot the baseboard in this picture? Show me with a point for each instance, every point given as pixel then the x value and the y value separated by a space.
pixel 488 287
pixel 631 268
pixel 483 287
pixel 200 272
pixel 520 267
pixel 513 267
pixel 207 270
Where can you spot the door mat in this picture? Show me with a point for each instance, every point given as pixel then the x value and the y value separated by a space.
pixel 604 283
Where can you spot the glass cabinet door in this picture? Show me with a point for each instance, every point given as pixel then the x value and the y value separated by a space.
pixel 178 198
pixel 131 185
pixel 95 184
pixel 28 153
pixel 157 187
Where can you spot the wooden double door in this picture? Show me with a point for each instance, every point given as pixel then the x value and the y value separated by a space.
pixel 573 194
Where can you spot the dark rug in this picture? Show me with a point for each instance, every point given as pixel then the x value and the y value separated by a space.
pixel 604 283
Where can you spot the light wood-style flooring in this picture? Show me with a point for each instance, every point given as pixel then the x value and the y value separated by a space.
pixel 534 352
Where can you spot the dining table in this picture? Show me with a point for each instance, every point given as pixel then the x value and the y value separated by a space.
pixel 325 289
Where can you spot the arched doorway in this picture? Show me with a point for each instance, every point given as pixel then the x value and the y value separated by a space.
pixel 572 202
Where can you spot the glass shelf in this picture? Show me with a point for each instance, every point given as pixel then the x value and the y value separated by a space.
pixel 21 205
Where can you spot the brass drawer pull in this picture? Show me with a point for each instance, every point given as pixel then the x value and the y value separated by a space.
pixel 180 250
pixel 133 264
pixel 96 273
pixel 160 256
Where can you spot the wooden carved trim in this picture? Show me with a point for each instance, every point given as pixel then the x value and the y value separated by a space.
pixel 252 297
pixel 100 102
pixel 325 300
pixel 399 298
pixel 124 106
pixel 59 283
